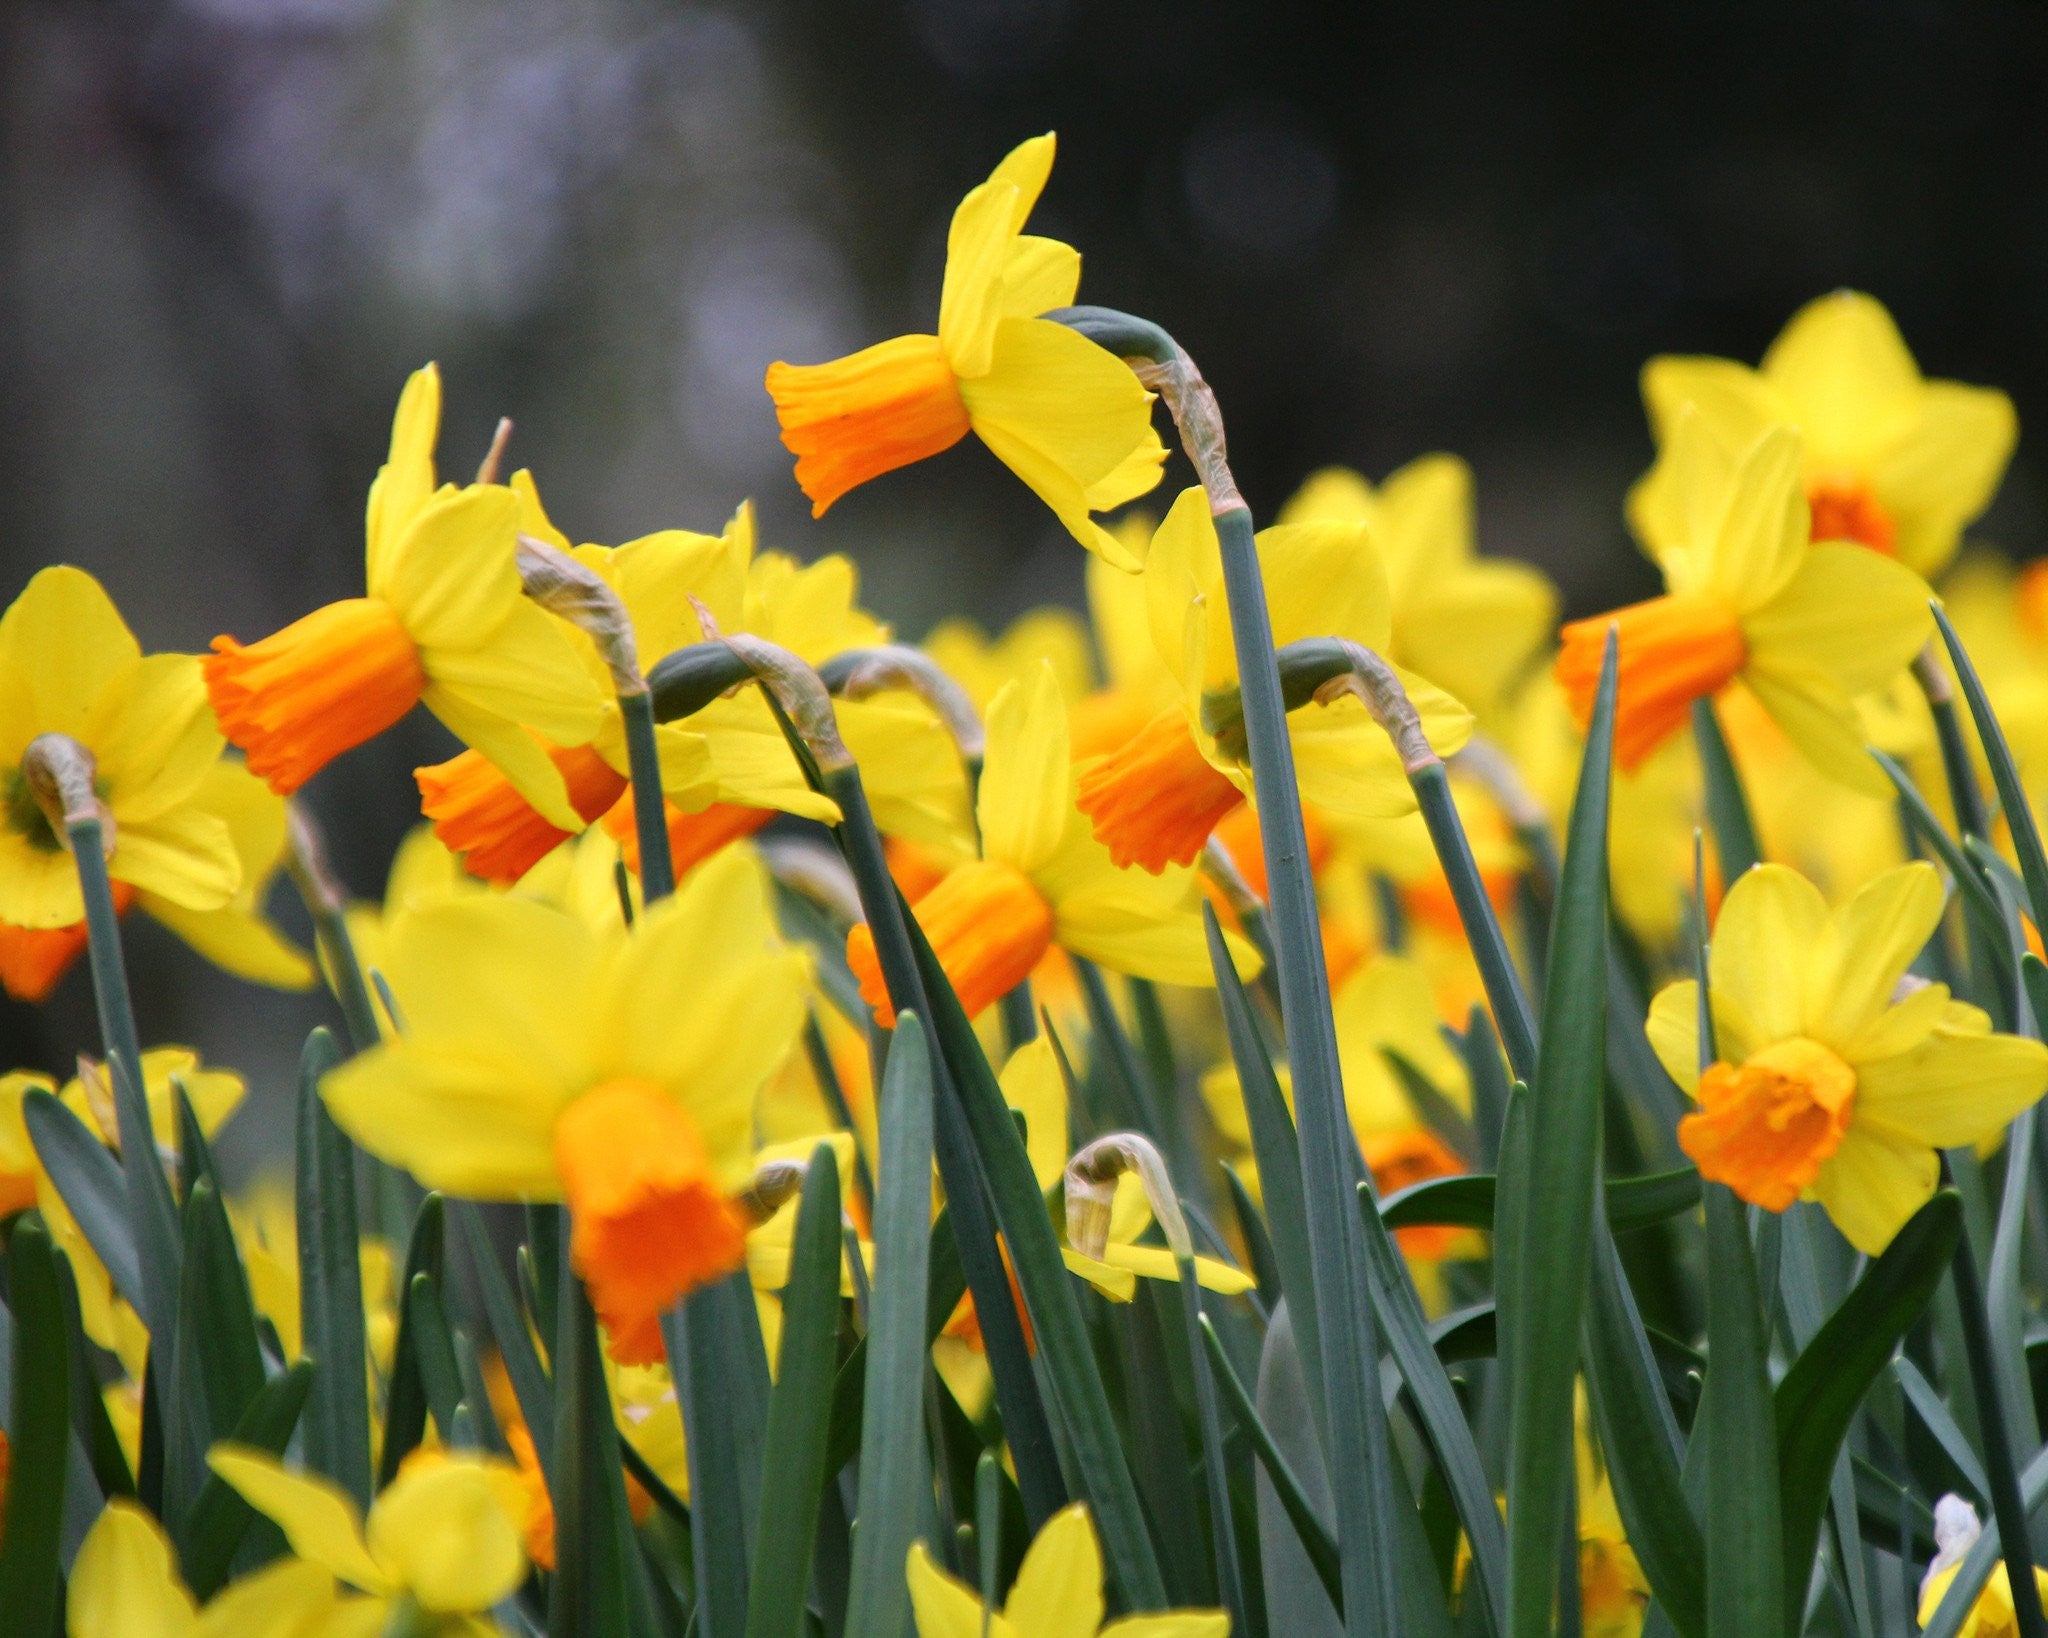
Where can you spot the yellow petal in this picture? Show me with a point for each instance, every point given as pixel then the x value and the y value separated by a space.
pixel 1058 1591
pixel 1038 275
pixel 501 970
pixel 473 1124
pixel 154 736
pixel 1157 1263
pixel 1763 534
pixel 943 1607
pixel 510 749
pixel 1771 923
pixel 1674 1031
pixel 1858 616
pixel 1952 1090
pixel 238 942
pixel 1902 1027
pixel 1474 630
pixel 124 1582
pixel 1818 716
pixel 38 885
pixel 916 782
pixel 1873 1183
pixel 978 254
pixel 1325 580
pixel 282 1600
pixel 1334 493
pixel 1033 1086
pixel 1424 528
pixel 1183 571
pixel 317 1518
pixel 1846 376
pixel 67 642
pixel 406 481
pixel 524 669
pixel 1173 1624
pixel 1026 781
pixel 1874 938
pixel 1123 630
pixel 452 577
pixel 1117 1284
pixel 184 856
pixel 449 1532
pixel 1734 403
pixel 1940 476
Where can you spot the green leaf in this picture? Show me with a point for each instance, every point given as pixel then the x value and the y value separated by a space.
pixel 895 1467
pixel 219 1359
pixel 38 1432
pixel 1818 1396
pixel 1748 1586
pixel 89 1178
pixel 405 1398
pixel 529 1378
pixel 1467 1201
pixel 793 1475
pixel 702 1352
pixel 1735 840
pixel 434 1351
pixel 1553 1199
pixel 331 1324
pixel 219 1519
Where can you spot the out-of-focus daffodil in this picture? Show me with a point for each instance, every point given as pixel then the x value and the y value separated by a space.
pixel 543 1059
pixel 1155 798
pixel 981 664
pixel 1065 415
pixel 70 666
pixel 444 622
pixel 1890 459
pixel 1836 1078
pixel 1472 624
pixel 1042 879
pixel 1805 628
pixel 1057 1594
pixel 446 1537
pixel 125 1584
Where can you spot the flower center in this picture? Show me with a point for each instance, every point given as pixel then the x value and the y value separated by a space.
pixel 987 925
pixel 323 685
pixel 1154 799
pixel 479 813
pixel 1674 650
pixel 1847 510
pixel 1766 1128
pixel 649 1219
pixel 868 413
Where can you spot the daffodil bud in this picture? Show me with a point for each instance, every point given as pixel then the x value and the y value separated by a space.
pixel 564 587
pixel 860 672
pixel 1091 1191
pixel 776 1183
pixel 59 773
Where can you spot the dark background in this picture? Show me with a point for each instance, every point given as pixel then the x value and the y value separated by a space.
pixel 232 226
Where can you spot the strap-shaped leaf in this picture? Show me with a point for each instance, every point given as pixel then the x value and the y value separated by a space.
pixel 1467 1201
pixel 219 1519
pixel 331 1323
pixel 405 1397
pixel 219 1359
pixel 529 1378
pixel 89 1178
pixel 38 1431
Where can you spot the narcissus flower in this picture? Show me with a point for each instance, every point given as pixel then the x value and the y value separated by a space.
pixel 444 623
pixel 1154 799
pixel 544 1059
pixel 1890 460
pixel 446 1535
pixel 236 936
pixel 1042 880
pixel 1472 624
pixel 1057 1594
pixel 981 664
pixel 1065 415
pixel 125 1584
pixel 69 665
pixel 1805 628
pixel 1836 1077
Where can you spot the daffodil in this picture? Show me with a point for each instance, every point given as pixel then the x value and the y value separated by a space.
pixel 1890 460
pixel 1065 415
pixel 69 665
pixel 1956 1529
pixel 544 1059
pixel 125 1584
pixel 236 936
pixel 981 664
pixel 1472 624
pixel 1057 1594
pixel 1155 798
pixel 1805 628
pixel 445 1538
pixel 1836 1076
pixel 1042 880
pixel 477 810
pixel 444 622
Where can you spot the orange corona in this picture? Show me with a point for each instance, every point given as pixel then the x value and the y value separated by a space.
pixel 1766 1128
pixel 1674 650
pixel 1849 511
pixel 33 960
pixel 692 837
pixel 868 413
pixel 479 814
pixel 1154 799
pixel 987 925
pixel 326 683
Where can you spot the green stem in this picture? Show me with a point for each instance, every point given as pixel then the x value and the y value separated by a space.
pixel 2007 1506
pixel 103 951
pixel 322 896
pixel 650 812
pixel 1971 819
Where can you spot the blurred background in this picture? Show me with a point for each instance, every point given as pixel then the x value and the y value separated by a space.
pixel 231 227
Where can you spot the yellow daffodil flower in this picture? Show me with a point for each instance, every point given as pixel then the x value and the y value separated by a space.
pixel 1890 459
pixel 1057 1594
pixel 981 664
pixel 1805 628
pixel 1471 623
pixel 125 1584
pixel 1836 1077
pixel 1065 415
pixel 446 1537
pixel 1042 880
pixel 444 623
pixel 1155 798
pixel 476 809
pixel 543 1059
pixel 69 665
